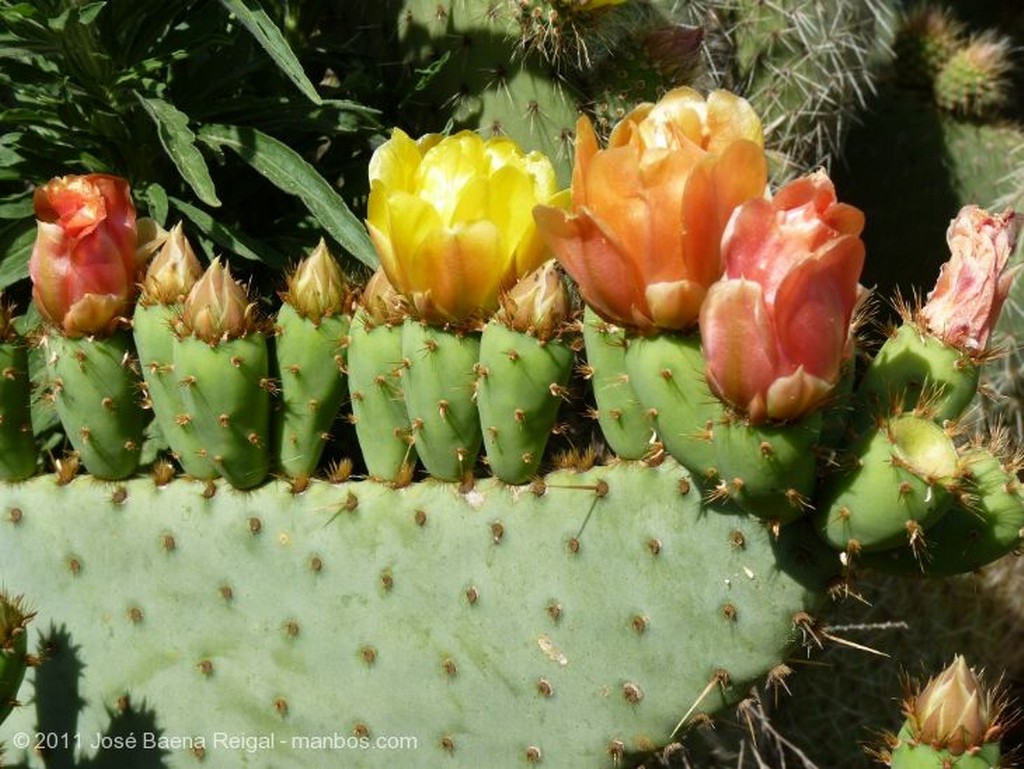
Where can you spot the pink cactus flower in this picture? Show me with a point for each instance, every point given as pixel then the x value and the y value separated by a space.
pixel 965 303
pixel 776 329
pixel 83 262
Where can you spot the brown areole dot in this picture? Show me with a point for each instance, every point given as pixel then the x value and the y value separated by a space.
pixel 291 628
pixel 14 515
pixel 119 495
pixel 255 525
pixel 544 688
pixel 369 654
pixel 420 516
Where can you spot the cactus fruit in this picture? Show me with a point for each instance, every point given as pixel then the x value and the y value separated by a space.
pixel 169 278
pixel 666 371
pixel 439 390
pixel 419 611
pixel 625 424
pixel 769 470
pixel 953 721
pixel 221 361
pixel 900 482
pixel 983 524
pixel 312 327
pixel 17 444
pixel 915 368
pixel 95 385
pixel 522 374
pixel 376 376
pixel 14 659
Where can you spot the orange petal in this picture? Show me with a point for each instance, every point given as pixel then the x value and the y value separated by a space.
pixel 675 306
pixel 607 278
pixel 796 395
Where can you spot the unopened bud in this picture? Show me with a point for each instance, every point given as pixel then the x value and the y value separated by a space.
pixel 217 307
pixel 174 271
pixel 317 289
pixel 383 305
pixel 538 304
pixel 952 712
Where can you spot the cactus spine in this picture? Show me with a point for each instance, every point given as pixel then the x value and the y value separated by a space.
pixel 14 659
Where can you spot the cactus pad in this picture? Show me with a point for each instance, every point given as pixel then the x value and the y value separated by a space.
pixel 614 593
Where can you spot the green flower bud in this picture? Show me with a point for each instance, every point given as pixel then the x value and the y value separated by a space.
pixel 218 308
pixel 538 304
pixel 383 305
pixel 317 289
pixel 173 271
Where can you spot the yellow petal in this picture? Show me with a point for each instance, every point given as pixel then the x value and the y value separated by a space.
pixel 730 117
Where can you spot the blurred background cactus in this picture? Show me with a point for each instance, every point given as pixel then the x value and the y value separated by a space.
pixel 254 122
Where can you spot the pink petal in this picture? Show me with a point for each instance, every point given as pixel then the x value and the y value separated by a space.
pixel 739 345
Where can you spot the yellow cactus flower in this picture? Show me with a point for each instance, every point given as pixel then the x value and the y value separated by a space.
pixel 451 218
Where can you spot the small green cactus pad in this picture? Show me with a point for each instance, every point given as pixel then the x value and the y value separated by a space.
pixel 909 754
pixel 376 381
pixel 152 326
pixel 311 392
pixel 624 422
pixel 225 393
pixel 895 487
pixel 520 384
pixel 667 373
pixel 913 364
pixel 17 444
pixel 494 626
pixel 97 395
pixel 441 381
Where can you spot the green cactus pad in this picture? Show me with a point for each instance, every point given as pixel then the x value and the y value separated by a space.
pixel 224 388
pixel 970 535
pixel 520 385
pixel 769 470
pixel 909 364
pixel 896 487
pixel 17 444
pixel 376 379
pixel 13 651
pixel 490 626
pixel 908 754
pixel 97 394
pixel 154 342
pixel 312 390
pixel 441 381
pixel 624 423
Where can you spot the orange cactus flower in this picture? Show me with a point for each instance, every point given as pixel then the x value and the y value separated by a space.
pixel 643 239
pixel 964 306
pixel 83 262
pixel 777 328
pixel 451 220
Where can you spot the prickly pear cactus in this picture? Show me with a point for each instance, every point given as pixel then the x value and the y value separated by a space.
pixel 14 658
pixel 530 606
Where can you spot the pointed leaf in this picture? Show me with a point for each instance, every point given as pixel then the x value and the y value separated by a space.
pixel 227 238
pixel 288 171
pixel 179 143
pixel 272 41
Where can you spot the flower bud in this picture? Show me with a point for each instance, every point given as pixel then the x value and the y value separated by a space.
pixel 538 304
pixel 952 712
pixel 217 308
pixel 173 271
pixel 317 288
pixel 381 302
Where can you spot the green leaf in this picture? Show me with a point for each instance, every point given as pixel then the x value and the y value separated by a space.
pixel 87 13
pixel 16 206
pixel 155 197
pixel 269 37
pixel 179 143
pixel 288 171
pixel 227 238
pixel 16 241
